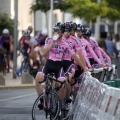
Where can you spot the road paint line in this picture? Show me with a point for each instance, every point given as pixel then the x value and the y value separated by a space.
pixel 18 97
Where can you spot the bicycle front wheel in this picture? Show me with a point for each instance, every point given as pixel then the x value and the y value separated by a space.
pixel 43 114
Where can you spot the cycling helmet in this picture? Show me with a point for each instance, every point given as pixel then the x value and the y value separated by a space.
pixel 80 28
pixel 87 32
pixel 5 31
pixel 73 25
pixel 26 33
pixel 59 26
pixel 67 26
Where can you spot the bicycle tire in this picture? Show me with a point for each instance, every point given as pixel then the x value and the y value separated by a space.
pixel 36 112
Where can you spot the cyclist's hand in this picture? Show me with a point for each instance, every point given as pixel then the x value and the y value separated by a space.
pixel 106 67
pixel 85 69
pixel 101 65
pixel 91 69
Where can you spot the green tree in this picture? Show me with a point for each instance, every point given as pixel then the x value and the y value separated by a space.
pixel 90 9
pixel 63 6
pixel 6 22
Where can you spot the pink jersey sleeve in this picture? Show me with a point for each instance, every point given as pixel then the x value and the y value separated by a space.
pixel 86 58
pixel 97 51
pixel 47 42
pixel 84 53
pixel 105 56
pixel 75 44
pixel 70 49
pixel 89 47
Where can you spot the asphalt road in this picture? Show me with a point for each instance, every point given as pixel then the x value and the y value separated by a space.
pixel 16 104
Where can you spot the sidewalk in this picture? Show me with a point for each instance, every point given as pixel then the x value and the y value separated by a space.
pixel 14 83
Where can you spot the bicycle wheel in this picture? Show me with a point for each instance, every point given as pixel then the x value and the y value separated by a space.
pixel 52 113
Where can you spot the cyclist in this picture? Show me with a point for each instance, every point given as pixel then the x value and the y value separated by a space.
pixel 68 62
pixel 23 37
pixel 6 40
pixel 106 57
pixel 41 41
pixel 55 51
pixel 90 53
pixel 29 48
pixel 94 44
pixel 78 69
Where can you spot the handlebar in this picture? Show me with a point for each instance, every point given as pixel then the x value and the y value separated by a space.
pixel 96 70
pixel 49 76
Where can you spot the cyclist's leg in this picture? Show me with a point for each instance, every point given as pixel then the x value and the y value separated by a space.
pixel 78 73
pixel 61 77
pixel 39 77
pixel 71 72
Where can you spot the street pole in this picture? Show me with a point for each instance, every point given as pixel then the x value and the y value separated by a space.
pixel 15 37
pixel 97 25
pixel 51 16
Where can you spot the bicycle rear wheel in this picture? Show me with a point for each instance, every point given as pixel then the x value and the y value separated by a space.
pixel 52 113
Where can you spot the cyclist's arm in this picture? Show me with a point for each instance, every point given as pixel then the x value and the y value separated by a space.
pixel 98 53
pixel 86 58
pixel 93 54
pixel 106 57
pixel 48 46
pixel 81 57
pixel 79 62
pixel 79 52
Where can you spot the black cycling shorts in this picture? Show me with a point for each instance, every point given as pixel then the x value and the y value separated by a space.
pixel 78 72
pixel 67 66
pixel 53 67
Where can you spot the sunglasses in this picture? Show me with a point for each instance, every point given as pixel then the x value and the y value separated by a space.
pixel 78 31
pixel 67 30
pixel 57 30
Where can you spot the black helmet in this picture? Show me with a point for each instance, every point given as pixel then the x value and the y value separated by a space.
pixel 80 28
pixel 73 25
pixel 59 26
pixel 67 26
pixel 87 32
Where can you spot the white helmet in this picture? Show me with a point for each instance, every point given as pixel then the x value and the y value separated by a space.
pixel 26 33
pixel 44 31
pixel 5 31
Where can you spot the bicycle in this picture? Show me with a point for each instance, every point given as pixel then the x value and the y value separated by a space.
pixel 65 113
pixel 51 102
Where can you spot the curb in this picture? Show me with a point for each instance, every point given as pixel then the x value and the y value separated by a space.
pixel 17 87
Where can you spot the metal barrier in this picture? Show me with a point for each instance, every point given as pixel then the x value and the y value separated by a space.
pixel 116 61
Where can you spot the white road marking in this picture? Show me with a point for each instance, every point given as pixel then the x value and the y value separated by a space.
pixel 18 97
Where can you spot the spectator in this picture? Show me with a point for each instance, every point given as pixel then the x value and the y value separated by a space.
pixel 102 43
pixel 117 41
pixel 111 48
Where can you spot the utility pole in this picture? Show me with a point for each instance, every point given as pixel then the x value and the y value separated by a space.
pixel 15 37
pixel 97 24
pixel 51 16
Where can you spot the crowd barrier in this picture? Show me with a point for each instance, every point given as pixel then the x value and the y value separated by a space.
pixel 116 61
pixel 96 101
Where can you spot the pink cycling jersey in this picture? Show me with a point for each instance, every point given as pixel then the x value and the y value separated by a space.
pixel 96 49
pixel 107 58
pixel 72 42
pixel 57 51
pixel 89 50
pixel 84 53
